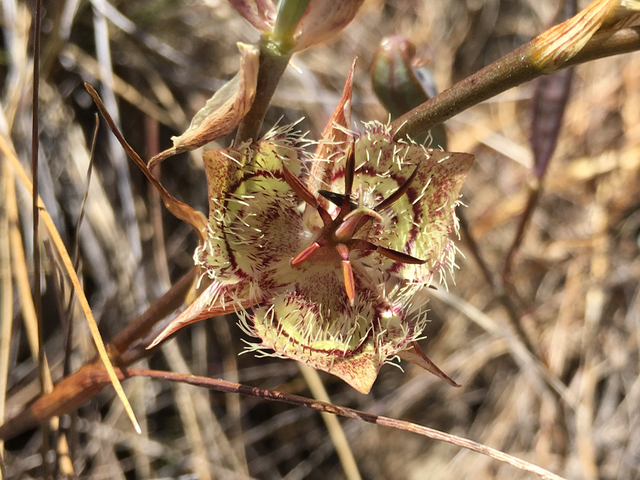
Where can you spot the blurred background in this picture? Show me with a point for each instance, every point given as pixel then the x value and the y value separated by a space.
pixel 574 282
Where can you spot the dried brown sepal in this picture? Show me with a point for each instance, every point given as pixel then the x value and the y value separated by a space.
pixel 223 112
pixel 416 356
pixel 334 135
pixel 180 210
pixel 206 305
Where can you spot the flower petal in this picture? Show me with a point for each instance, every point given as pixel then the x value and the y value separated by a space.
pixel 254 224
pixel 314 323
pixel 419 222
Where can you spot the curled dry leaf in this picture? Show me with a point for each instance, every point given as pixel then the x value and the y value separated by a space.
pixel 560 43
pixel 223 112
pixel 625 14
pixel 180 210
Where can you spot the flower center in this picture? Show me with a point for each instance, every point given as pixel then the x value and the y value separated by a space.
pixel 336 235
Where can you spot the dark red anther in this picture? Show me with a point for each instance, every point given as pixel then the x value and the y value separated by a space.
pixel 298 187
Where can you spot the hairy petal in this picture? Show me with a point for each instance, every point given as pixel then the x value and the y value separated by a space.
pixel 420 221
pixel 254 225
pixel 314 323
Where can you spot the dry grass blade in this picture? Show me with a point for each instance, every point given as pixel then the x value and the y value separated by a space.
pixel 6 291
pixel 35 195
pixel 68 265
pixel 76 251
pixel 520 353
pixel 20 271
pixel 66 314
pixel 117 157
pixel 336 432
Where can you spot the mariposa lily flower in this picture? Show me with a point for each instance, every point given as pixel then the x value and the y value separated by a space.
pixel 323 265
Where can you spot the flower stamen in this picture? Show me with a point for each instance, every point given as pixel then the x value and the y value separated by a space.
pixel 339 232
pixel 298 187
pixel 347 272
pixel 336 198
pixel 306 253
pixel 391 199
pixel 358 244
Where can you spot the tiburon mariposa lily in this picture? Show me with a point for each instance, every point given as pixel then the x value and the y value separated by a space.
pixel 328 251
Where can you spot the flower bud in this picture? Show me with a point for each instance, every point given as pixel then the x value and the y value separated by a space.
pixel 324 19
pixel 299 23
pixel 400 84
pixel 262 18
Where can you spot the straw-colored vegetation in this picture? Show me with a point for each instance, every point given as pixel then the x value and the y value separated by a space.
pixel 573 408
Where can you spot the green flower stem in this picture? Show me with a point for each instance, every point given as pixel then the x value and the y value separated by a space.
pixel 272 67
pixel 509 71
pixel 290 12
